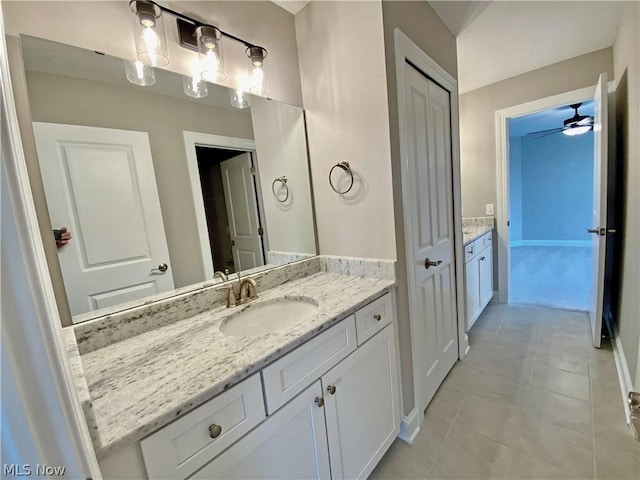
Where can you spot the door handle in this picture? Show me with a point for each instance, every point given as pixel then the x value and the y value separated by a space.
pixel 163 267
pixel 596 231
pixel 428 263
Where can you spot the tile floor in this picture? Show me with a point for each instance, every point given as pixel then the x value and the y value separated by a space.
pixel 532 400
pixel 556 277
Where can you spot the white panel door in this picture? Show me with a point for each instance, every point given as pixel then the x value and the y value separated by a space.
pixel 291 444
pixel 101 185
pixel 599 212
pixel 428 192
pixel 362 406
pixel 242 211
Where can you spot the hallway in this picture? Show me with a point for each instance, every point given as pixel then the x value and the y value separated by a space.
pixel 532 400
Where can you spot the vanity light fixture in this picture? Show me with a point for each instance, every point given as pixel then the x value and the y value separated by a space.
pixel 149 34
pixel 258 81
pixel 210 51
pixel 139 74
pixel 194 87
pixel 151 45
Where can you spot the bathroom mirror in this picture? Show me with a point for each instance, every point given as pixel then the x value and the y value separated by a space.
pixel 161 192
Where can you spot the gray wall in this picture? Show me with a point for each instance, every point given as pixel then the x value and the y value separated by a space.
pixel 477 121
pixel 420 23
pixel 626 59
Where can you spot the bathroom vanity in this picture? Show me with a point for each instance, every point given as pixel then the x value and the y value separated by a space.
pixel 478 257
pixel 167 394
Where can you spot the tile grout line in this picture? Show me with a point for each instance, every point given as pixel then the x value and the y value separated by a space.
pixel 448 431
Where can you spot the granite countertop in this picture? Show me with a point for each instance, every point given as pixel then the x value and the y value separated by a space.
pixel 471 233
pixel 135 386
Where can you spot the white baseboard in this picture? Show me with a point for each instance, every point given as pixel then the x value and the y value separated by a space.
pixel 624 377
pixel 409 428
pixel 550 243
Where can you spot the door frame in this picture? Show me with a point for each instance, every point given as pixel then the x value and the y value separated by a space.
pixel 193 140
pixel 407 50
pixel 502 171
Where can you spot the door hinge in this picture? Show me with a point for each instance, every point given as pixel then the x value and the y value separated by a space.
pixel 260 231
pixel 508 223
pixel 253 171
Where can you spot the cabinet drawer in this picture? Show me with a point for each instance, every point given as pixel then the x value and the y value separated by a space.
pixel 180 448
pixel 487 239
pixel 373 318
pixel 288 376
pixel 469 251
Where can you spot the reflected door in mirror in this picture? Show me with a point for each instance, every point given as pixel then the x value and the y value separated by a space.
pixel 100 184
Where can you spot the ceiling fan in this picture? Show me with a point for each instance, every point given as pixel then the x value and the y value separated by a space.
pixel 576 125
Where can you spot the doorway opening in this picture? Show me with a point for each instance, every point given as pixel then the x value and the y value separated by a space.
pixel 550 188
pixel 231 207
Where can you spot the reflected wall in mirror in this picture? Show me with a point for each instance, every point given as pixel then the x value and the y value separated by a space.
pixel 160 190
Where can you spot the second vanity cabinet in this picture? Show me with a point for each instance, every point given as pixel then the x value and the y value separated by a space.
pixel 331 406
pixel 478 276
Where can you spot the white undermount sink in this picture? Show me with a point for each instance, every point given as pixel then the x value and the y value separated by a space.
pixel 268 316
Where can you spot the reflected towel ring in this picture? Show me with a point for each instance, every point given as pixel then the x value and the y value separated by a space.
pixel 344 166
pixel 283 181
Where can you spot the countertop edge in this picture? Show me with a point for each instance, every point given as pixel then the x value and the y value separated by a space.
pixel 481 230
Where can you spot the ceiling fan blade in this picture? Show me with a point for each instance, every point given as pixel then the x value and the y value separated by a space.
pixel 556 130
pixel 553 130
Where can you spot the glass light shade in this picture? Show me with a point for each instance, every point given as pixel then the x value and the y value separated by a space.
pixel 576 130
pixel 257 75
pixel 194 87
pixel 211 56
pixel 239 98
pixel 149 34
pixel 139 74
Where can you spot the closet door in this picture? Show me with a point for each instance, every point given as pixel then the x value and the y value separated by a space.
pixel 427 184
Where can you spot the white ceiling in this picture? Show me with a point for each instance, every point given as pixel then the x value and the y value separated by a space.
pixel 503 39
pixel 291 6
pixel 546 120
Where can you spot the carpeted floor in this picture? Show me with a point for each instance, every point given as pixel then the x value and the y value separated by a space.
pixel 552 276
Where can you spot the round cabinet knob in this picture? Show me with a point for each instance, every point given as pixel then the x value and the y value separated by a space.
pixel 215 430
pixel 331 389
pixel 377 317
pixel 319 401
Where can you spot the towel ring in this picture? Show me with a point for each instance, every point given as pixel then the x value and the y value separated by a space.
pixel 344 166
pixel 283 181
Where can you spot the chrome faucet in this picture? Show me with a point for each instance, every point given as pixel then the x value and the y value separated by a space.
pixel 247 291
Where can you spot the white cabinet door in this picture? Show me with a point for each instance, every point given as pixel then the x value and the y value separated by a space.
pixel 363 412
pixel 472 277
pixel 486 276
pixel 291 444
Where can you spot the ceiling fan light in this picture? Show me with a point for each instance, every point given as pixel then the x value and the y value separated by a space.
pixel 577 130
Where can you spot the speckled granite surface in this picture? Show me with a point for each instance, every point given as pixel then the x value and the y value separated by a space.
pixel 469 234
pixel 103 331
pixel 475 227
pixel 131 387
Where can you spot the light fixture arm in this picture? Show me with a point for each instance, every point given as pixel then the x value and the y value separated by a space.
pixel 198 23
